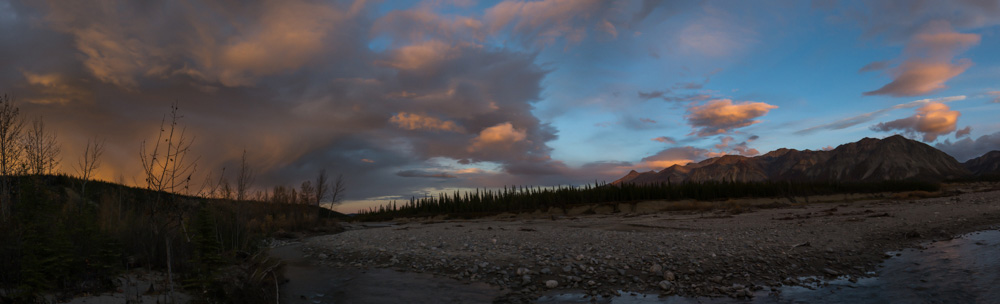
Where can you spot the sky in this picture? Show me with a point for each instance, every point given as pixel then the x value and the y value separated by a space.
pixel 409 98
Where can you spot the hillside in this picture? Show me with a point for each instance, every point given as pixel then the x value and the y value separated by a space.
pixel 988 164
pixel 867 160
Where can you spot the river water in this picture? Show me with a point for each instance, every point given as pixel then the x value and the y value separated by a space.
pixel 962 270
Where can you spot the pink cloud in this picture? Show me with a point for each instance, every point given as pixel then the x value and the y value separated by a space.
pixel 722 115
pixel 928 64
pixel 665 139
pixel 932 120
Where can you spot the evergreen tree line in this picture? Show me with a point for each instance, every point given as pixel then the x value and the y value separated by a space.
pixel 528 199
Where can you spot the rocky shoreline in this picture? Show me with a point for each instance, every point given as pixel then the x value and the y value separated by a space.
pixel 718 253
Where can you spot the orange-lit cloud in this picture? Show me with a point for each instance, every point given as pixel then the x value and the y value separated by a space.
pixel 122 45
pixel 928 61
pixel 722 115
pixel 422 55
pixel 665 139
pixel 53 89
pixel 410 121
pixel 932 120
pixel 674 156
pixel 500 136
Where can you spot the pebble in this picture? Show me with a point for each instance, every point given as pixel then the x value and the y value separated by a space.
pixel 551 284
pixel 656 268
pixel 665 285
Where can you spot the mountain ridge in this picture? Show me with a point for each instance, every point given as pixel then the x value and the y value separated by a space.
pixel 869 159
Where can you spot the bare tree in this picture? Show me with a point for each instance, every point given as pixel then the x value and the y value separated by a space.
pixel 306 194
pixel 337 190
pixel 41 149
pixel 90 161
pixel 165 162
pixel 245 179
pixel 11 125
pixel 321 187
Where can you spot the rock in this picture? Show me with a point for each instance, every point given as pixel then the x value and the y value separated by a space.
pixel 526 279
pixel 551 284
pixel 665 285
pixel 656 268
pixel 323 256
pixel 523 271
pixel 669 276
pixel 831 272
pixel 567 268
pixel 717 279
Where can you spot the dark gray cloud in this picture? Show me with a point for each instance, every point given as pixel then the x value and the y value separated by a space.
pixel 874 66
pixel 968 148
pixel 111 70
pixel 424 174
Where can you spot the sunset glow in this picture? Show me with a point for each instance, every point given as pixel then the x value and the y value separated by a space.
pixel 406 98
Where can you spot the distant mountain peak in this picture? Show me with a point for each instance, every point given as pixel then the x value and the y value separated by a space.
pixel 869 159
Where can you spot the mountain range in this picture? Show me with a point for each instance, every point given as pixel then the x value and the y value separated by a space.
pixel 869 159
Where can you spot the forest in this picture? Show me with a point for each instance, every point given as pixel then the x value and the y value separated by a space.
pixel 62 236
pixel 517 199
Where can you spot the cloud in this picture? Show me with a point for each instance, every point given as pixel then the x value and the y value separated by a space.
pixel 651 94
pixel 716 34
pixel 424 174
pixel 931 120
pixel 874 66
pixel 963 132
pixel 665 139
pixel 724 147
pixel 996 94
pixel 543 22
pixel 928 61
pixel 124 43
pixel 423 56
pixel 501 136
pixel 331 102
pixel 411 26
pixel 410 121
pixel 866 117
pixel 647 120
pixel 676 156
pixel 967 148
pixel 722 115
pixel 54 89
